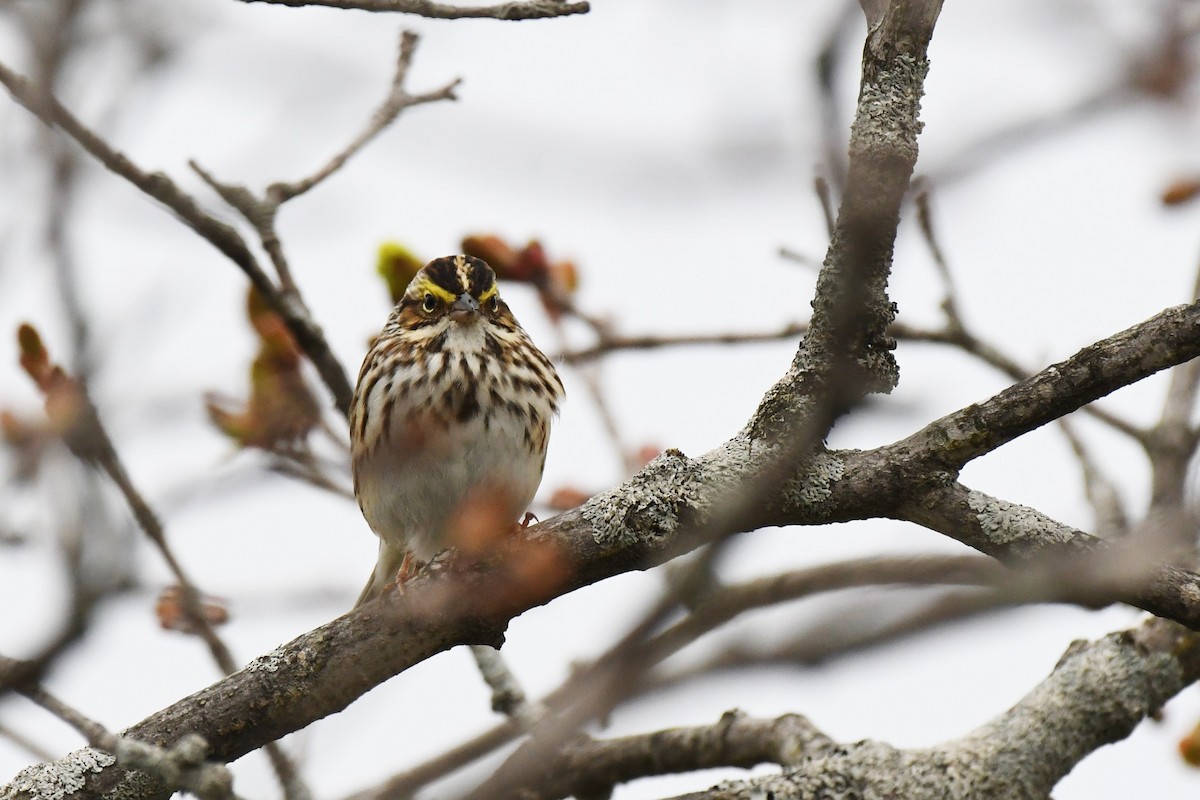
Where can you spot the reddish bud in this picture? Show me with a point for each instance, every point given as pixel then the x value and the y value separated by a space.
pixel 565 276
pixel 530 265
pixel 34 358
pixel 645 454
pixel 1181 191
pixel 27 442
pixel 491 248
pixel 281 409
pixel 566 498
pixel 1189 748
pixel 481 521
pixel 173 616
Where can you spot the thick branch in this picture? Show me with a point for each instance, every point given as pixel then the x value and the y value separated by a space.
pixel 1015 533
pixel 1165 340
pixel 883 154
pixel 1097 694
pixel 592 768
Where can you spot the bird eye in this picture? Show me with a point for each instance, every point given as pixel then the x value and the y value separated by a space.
pixel 429 304
pixel 494 305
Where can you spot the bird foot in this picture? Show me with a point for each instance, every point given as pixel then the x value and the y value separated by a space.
pixel 408 568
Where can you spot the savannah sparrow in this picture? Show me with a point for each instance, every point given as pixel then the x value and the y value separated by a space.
pixel 452 409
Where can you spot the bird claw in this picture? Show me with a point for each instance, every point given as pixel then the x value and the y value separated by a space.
pixel 408 568
pixel 529 515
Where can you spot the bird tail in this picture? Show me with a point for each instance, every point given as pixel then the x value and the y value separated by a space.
pixel 391 561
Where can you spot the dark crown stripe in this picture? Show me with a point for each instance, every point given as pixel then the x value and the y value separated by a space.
pixel 444 273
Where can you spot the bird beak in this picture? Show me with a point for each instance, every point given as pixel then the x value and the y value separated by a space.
pixel 464 309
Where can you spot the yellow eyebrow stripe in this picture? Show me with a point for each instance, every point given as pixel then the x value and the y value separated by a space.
pixel 432 288
pixel 487 295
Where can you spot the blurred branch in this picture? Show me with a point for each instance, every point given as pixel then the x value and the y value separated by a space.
pixel 69 406
pixel 528 9
pixel 592 384
pixel 407 783
pixel 1101 493
pixel 848 630
pixel 303 466
pixel 1161 68
pixel 990 148
pixel 225 238
pixel 508 698
pixel 50 38
pixel 1090 579
pixel 1167 339
pixel 728 602
pixel 613 342
pixel 825 196
pixel 1171 443
pixel 720 606
pixel 25 743
pixel 833 143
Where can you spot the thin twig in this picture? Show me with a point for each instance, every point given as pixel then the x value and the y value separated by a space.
pixel 222 236
pixel 397 100
pixel 595 390
pixel 294 466
pixel 1173 440
pixel 1102 494
pixel 181 767
pixel 530 9
pixel 286 771
pixel 797 257
pixel 261 212
pixel 851 631
pixel 614 343
pixel 825 195
pixel 25 743
pixel 88 440
pixel 825 69
pixel 407 783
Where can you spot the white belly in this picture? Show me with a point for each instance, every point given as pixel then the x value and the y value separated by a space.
pixel 410 499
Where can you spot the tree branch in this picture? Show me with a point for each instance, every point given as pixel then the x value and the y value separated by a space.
pixel 591 768
pixel 1167 339
pixel 1096 695
pixel 528 9
pixel 225 238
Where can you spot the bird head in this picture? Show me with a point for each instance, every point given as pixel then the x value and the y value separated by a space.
pixel 459 288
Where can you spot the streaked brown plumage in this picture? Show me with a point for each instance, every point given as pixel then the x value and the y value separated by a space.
pixel 453 407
